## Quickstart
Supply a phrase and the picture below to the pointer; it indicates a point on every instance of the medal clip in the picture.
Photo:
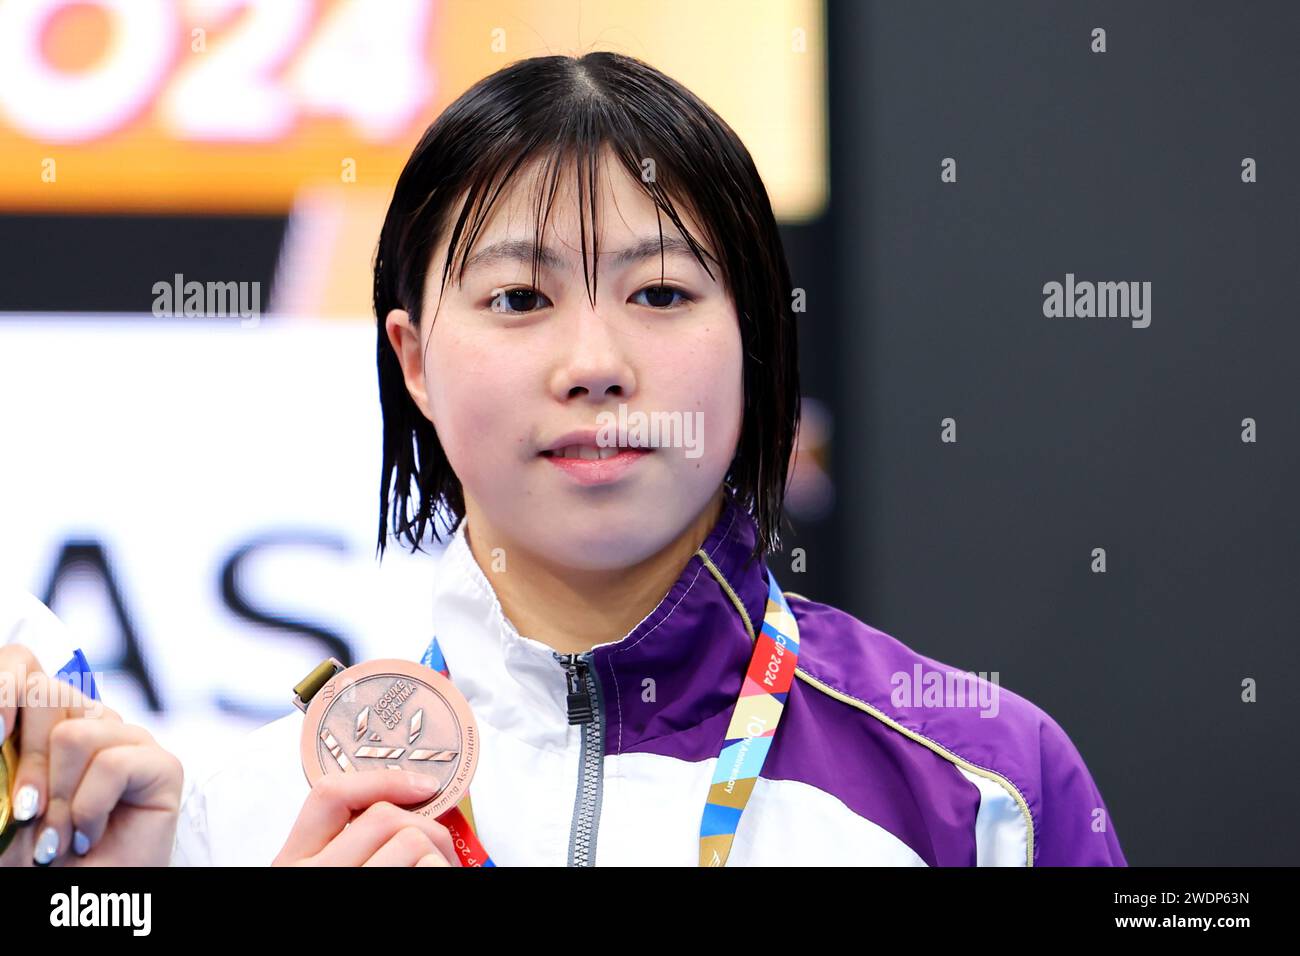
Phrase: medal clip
(310, 685)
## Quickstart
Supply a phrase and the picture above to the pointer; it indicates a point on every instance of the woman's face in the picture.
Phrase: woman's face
(506, 370)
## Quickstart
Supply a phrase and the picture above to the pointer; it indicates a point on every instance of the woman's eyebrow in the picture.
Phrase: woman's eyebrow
(521, 250)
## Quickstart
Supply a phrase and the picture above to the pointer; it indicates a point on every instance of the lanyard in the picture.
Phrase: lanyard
(459, 820)
(753, 723)
(754, 718)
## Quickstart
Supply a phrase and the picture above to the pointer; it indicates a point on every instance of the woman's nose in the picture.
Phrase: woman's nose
(592, 363)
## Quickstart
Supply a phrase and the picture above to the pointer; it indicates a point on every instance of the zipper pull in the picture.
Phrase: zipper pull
(577, 700)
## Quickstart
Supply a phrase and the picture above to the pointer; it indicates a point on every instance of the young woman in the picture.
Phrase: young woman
(576, 239)
(571, 236)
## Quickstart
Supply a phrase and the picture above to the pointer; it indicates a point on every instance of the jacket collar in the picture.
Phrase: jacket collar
(680, 666)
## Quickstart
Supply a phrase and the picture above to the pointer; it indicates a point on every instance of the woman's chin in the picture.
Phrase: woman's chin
(600, 539)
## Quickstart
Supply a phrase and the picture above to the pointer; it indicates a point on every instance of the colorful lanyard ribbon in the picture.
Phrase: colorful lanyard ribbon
(754, 719)
(753, 723)
(459, 820)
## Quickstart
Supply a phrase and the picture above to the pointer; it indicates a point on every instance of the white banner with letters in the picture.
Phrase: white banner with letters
(199, 501)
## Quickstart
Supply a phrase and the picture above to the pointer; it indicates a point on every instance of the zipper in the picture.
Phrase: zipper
(583, 705)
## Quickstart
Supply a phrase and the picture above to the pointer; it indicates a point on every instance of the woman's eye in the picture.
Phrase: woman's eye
(525, 300)
(661, 296)
(516, 301)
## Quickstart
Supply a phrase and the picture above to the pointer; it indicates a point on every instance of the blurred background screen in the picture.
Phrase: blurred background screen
(191, 482)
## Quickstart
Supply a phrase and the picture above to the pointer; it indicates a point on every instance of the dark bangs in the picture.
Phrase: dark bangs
(564, 112)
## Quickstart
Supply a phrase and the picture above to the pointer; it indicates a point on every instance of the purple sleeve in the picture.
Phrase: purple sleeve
(1074, 826)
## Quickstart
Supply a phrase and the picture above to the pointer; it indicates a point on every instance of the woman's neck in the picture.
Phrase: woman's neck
(573, 610)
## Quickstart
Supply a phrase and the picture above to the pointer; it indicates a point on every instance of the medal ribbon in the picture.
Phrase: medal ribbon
(754, 718)
(459, 820)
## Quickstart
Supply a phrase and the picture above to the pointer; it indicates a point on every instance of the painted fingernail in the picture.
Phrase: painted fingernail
(80, 843)
(47, 846)
(3, 729)
(25, 802)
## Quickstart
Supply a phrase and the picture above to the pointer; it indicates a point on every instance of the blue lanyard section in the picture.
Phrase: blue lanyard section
(77, 672)
(433, 657)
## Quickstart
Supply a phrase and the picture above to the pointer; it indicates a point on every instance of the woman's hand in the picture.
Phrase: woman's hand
(330, 831)
(89, 790)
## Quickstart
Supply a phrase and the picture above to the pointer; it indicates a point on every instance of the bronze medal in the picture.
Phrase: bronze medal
(392, 714)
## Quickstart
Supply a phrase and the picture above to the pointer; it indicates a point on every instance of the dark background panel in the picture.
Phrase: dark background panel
(1079, 433)
(97, 263)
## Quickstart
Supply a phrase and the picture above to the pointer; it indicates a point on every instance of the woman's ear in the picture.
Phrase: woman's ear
(405, 340)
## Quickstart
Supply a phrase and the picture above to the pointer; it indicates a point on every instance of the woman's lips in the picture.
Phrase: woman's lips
(599, 471)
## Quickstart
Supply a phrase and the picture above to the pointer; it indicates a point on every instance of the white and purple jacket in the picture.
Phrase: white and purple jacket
(850, 778)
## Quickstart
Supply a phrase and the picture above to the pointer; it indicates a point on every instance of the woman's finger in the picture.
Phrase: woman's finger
(142, 775)
(404, 848)
(16, 662)
(363, 837)
(73, 744)
(42, 703)
(334, 801)
(40, 712)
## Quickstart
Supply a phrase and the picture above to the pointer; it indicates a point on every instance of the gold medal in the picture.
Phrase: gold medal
(8, 766)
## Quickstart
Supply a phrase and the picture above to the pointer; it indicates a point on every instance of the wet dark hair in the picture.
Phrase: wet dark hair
(565, 110)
